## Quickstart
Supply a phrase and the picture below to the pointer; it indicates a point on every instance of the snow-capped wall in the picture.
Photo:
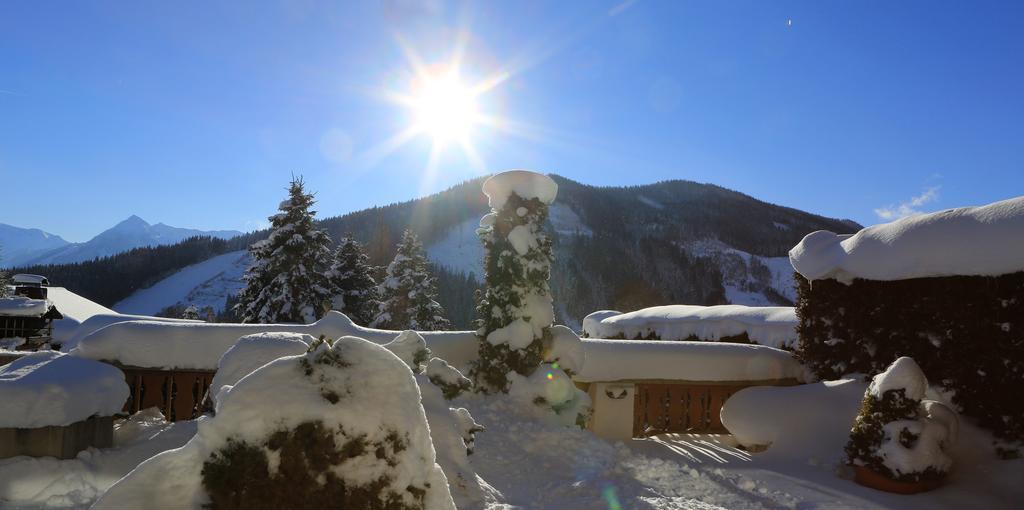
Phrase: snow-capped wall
(69, 333)
(773, 326)
(48, 388)
(199, 345)
(986, 240)
(632, 360)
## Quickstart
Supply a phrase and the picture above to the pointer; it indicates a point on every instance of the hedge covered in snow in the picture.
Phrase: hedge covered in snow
(774, 326)
(968, 331)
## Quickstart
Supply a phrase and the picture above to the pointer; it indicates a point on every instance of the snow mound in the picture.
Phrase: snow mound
(986, 240)
(591, 321)
(49, 388)
(524, 183)
(797, 422)
(773, 326)
(19, 306)
(200, 345)
(253, 351)
(905, 374)
(623, 360)
(356, 389)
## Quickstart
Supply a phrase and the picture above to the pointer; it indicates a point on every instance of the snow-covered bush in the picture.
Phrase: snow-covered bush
(411, 348)
(453, 431)
(515, 312)
(408, 293)
(894, 434)
(355, 292)
(253, 351)
(287, 281)
(340, 427)
(446, 377)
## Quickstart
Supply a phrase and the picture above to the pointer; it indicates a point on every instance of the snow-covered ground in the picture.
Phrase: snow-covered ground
(530, 463)
(207, 283)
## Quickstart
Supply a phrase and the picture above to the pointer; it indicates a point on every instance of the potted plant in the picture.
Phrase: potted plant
(899, 440)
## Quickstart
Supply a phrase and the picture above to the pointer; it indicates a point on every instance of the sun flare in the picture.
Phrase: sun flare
(444, 108)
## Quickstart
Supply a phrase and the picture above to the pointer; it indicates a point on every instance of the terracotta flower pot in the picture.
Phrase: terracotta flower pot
(868, 478)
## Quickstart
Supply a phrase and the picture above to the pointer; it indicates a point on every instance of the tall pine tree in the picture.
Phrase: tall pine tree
(288, 279)
(352, 280)
(408, 293)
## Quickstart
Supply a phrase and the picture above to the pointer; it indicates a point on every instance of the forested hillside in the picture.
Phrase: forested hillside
(616, 247)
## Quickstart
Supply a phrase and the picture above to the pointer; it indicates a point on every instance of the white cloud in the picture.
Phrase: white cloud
(910, 207)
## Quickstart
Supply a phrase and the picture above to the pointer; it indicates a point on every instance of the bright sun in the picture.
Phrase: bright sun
(444, 108)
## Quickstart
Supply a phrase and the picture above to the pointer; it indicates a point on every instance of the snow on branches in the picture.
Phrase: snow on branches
(408, 293)
(287, 281)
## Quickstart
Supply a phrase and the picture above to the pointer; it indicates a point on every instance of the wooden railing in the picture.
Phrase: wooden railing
(179, 394)
(667, 407)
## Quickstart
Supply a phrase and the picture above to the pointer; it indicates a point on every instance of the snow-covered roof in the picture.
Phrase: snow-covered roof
(986, 240)
(524, 183)
(767, 325)
(19, 306)
(30, 279)
(199, 345)
(635, 360)
(49, 388)
(73, 306)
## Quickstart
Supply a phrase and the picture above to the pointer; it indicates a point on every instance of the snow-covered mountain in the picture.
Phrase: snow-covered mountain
(19, 245)
(131, 233)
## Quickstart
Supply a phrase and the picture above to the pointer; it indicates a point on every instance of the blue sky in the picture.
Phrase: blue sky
(197, 115)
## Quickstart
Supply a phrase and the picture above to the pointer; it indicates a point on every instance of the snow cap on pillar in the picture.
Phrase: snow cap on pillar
(524, 183)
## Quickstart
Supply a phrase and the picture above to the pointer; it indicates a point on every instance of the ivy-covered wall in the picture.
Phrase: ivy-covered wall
(966, 333)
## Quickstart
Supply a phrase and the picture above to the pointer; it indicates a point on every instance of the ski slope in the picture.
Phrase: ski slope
(207, 283)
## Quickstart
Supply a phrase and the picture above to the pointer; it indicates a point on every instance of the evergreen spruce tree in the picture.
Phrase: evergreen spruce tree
(515, 310)
(408, 293)
(190, 312)
(353, 284)
(5, 280)
(288, 279)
